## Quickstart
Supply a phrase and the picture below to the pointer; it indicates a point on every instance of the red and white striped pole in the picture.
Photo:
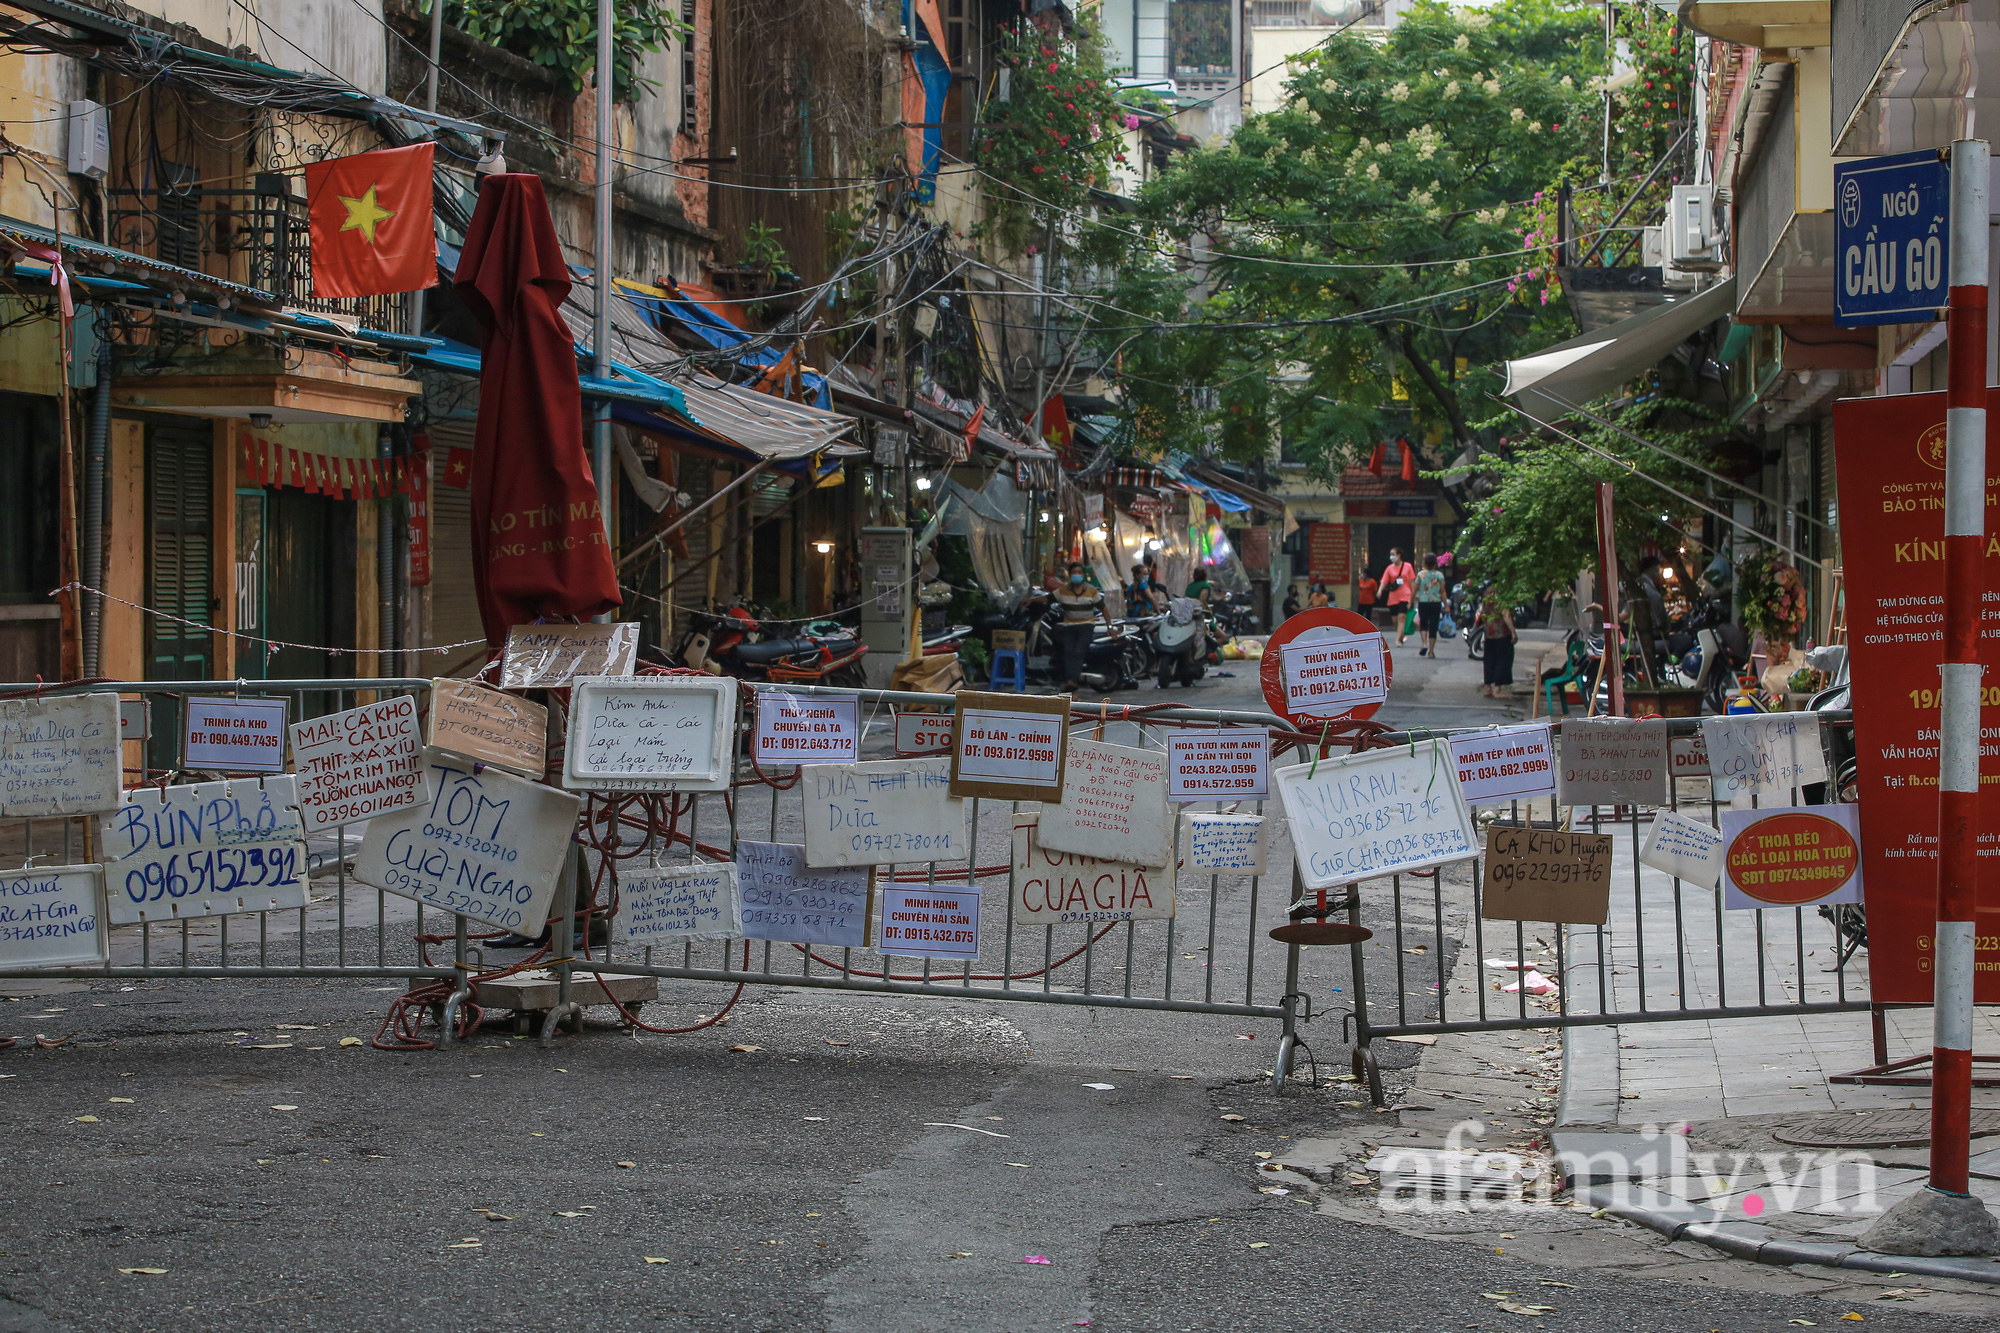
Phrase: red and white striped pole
(1958, 725)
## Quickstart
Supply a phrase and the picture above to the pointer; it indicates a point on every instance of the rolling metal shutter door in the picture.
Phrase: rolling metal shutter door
(454, 604)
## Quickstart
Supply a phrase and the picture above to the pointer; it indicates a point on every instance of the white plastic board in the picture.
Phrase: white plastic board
(930, 921)
(1054, 888)
(1239, 844)
(806, 729)
(1763, 754)
(53, 916)
(1613, 761)
(651, 733)
(882, 811)
(487, 845)
(1505, 764)
(358, 764)
(60, 756)
(135, 719)
(1227, 764)
(676, 904)
(786, 899)
(1379, 812)
(1684, 848)
(1114, 806)
(924, 733)
(205, 849)
(234, 735)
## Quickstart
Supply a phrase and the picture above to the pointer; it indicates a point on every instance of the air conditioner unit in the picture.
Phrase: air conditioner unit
(89, 140)
(1653, 254)
(1693, 242)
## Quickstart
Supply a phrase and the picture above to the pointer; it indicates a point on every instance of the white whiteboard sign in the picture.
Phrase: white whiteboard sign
(806, 729)
(357, 764)
(1613, 761)
(1329, 671)
(205, 849)
(1238, 843)
(1685, 848)
(924, 733)
(883, 811)
(677, 904)
(60, 756)
(930, 921)
(1228, 764)
(234, 735)
(650, 733)
(1379, 812)
(1054, 888)
(1763, 754)
(1505, 764)
(486, 845)
(53, 916)
(786, 899)
(1114, 806)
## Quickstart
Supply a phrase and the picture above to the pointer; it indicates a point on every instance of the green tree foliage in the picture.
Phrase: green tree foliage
(561, 35)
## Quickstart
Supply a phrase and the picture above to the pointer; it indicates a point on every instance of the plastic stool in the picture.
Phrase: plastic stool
(1010, 670)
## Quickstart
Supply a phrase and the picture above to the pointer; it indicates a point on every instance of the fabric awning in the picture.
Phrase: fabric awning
(1588, 367)
(1236, 486)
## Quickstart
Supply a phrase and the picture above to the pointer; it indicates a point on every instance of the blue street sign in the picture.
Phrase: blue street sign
(1891, 238)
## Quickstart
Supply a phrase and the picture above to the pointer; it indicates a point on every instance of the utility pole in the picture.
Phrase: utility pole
(600, 344)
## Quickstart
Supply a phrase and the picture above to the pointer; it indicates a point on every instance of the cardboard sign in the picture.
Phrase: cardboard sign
(1613, 761)
(655, 733)
(1537, 874)
(1054, 888)
(806, 729)
(1687, 756)
(1329, 672)
(930, 921)
(1684, 848)
(1228, 764)
(357, 764)
(234, 735)
(61, 756)
(1114, 806)
(205, 849)
(1378, 812)
(552, 656)
(1009, 746)
(1763, 754)
(1792, 856)
(1505, 764)
(786, 899)
(489, 725)
(53, 916)
(487, 846)
(924, 733)
(881, 812)
(678, 905)
(1237, 843)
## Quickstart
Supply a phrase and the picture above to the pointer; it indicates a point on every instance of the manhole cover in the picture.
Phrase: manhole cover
(1874, 1129)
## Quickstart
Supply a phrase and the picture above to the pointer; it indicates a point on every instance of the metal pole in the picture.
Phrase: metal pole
(416, 303)
(1607, 556)
(600, 346)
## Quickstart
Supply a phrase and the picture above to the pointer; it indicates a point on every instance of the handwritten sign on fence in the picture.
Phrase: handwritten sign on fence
(1377, 812)
(357, 764)
(53, 916)
(60, 756)
(678, 904)
(1227, 764)
(1763, 754)
(786, 899)
(1505, 764)
(491, 726)
(487, 845)
(1053, 888)
(1541, 875)
(234, 735)
(1613, 761)
(655, 733)
(1114, 806)
(930, 921)
(1684, 848)
(1236, 843)
(806, 729)
(882, 811)
(552, 656)
(205, 849)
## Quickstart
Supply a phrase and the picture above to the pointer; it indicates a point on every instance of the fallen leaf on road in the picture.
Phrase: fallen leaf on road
(815, 1214)
(746, 1049)
(126, 1100)
(1260, 1244)
(86, 1120)
(1804, 1323)
(628, 1165)
(651, 1260)
(1549, 1281)
(1101, 1087)
(1904, 1294)
(350, 1041)
(1854, 1317)
(1599, 1212)
(282, 1107)
(1184, 1076)
(492, 1216)
(296, 1027)
(831, 1042)
(1035, 1259)
(572, 1214)
(1233, 1118)
(1017, 1164)
(467, 1245)
(1264, 1155)
(1268, 1166)
(816, 1119)
(268, 1046)
(962, 1254)
(150, 1272)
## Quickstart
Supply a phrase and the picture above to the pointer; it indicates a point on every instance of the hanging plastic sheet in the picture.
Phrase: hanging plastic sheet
(991, 520)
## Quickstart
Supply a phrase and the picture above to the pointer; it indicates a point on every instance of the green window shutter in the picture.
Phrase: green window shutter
(179, 466)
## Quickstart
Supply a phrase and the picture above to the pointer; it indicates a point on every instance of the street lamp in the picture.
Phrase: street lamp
(824, 548)
(923, 483)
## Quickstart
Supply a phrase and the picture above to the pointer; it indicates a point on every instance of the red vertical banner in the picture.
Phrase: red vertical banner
(420, 519)
(1327, 554)
(1889, 458)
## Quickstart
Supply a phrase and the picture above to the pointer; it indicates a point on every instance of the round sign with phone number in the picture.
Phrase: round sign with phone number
(1326, 665)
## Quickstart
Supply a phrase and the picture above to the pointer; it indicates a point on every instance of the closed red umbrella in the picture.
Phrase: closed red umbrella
(538, 537)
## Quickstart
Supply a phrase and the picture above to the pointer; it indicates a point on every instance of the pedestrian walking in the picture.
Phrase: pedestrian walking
(1496, 622)
(1082, 606)
(1430, 606)
(1364, 594)
(1398, 590)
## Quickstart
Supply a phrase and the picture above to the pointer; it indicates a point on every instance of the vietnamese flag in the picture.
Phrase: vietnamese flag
(372, 228)
(457, 468)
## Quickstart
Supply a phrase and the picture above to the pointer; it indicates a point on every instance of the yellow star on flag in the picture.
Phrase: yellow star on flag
(364, 214)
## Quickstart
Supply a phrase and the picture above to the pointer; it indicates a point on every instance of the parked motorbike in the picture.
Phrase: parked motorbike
(1181, 643)
(735, 642)
(1114, 661)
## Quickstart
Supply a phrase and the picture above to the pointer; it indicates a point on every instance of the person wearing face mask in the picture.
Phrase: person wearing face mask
(1081, 605)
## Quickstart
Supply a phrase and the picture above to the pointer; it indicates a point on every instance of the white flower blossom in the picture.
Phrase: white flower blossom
(1329, 86)
(1400, 92)
(1451, 90)
(1384, 147)
(1315, 117)
(1534, 127)
(1462, 268)
(1492, 87)
(1477, 20)
(1518, 114)
(1374, 171)
(1490, 216)
(1567, 81)
(1463, 43)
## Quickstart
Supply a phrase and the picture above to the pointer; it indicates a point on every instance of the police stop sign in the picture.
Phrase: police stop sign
(1891, 236)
